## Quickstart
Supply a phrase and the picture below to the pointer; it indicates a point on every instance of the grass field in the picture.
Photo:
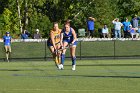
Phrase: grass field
(91, 76)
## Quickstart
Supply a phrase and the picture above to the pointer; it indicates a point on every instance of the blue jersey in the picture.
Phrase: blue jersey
(67, 37)
(90, 25)
(126, 26)
(7, 40)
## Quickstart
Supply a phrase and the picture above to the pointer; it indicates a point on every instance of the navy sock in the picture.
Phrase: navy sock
(62, 58)
(73, 60)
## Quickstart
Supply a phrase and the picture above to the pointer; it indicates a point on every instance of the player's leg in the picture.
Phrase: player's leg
(132, 35)
(91, 33)
(88, 34)
(9, 50)
(73, 56)
(119, 33)
(116, 34)
(58, 57)
(65, 44)
(51, 48)
(137, 35)
(6, 53)
(54, 54)
(103, 35)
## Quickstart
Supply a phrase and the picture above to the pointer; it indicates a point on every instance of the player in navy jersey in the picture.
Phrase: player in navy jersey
(68, 38)
(7, 44)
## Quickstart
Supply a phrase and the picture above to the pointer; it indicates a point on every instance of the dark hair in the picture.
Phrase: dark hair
(68, 20)
(7, 32)
(105, 25)
(55, 23)
(67, 23)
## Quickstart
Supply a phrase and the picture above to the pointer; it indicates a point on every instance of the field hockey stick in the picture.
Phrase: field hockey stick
(63, 48)
(57, 57)
(68, 46)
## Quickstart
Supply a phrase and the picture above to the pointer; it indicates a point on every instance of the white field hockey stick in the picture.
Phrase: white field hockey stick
(68, 46)
(63, 48)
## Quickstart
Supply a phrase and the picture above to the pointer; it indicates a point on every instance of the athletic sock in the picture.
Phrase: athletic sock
(56, 60)
(73, 60)
(62, 58)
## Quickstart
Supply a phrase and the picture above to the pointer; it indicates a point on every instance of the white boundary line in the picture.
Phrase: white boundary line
(70, 90)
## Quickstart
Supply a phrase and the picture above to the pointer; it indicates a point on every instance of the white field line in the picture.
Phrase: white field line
(37, 89)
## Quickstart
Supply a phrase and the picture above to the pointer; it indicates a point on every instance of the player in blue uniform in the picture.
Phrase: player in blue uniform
(68, 38)
(7, 44)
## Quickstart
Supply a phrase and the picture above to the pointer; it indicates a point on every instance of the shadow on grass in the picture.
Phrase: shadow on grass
(74, 76)
(36, 69)
(110, 65)
(101, 76)
(21, 70)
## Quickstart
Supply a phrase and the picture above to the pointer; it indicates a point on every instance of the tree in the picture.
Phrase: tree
(32, 14)
(129, 7)
(19, 16)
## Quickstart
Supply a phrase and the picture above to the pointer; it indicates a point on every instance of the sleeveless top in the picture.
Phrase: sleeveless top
(56, 36)
(67, 37)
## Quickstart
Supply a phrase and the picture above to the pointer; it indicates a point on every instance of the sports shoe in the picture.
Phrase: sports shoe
(60, 67)
(73, 67)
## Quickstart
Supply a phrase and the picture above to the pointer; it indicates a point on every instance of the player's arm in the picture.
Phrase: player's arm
(121, 24)
(61, 39)
(92, 18)
(74, 36)
(135, 30)
(3, 39)
(11, 40)
(114, 21)
(52, 39)
(138, 17)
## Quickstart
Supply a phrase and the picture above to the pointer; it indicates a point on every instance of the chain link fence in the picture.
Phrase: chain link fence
(32, 49)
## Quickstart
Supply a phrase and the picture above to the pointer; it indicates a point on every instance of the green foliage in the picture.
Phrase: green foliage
(41, 13)
(40, 22)
(129, 8)
(6, 18)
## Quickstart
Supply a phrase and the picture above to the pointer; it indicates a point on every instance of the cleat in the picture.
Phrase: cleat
(73, 67)
(8, 61)
(60, 67)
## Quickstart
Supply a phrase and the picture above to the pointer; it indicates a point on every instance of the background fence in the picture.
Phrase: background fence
(86, 48)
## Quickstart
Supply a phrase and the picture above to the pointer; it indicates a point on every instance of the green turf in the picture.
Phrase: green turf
(93, 76)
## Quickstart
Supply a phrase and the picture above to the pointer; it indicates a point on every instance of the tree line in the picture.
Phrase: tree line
(17, 15)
